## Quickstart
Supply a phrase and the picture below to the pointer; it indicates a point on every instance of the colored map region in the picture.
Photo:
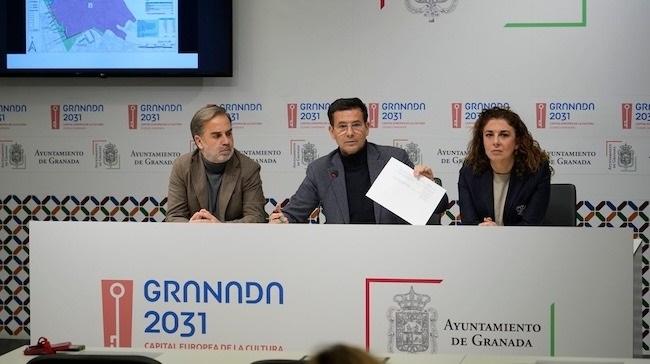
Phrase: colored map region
(78, 16)
(101, 26)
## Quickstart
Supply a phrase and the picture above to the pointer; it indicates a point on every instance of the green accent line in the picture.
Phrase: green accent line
(552, 331)
(582, 23)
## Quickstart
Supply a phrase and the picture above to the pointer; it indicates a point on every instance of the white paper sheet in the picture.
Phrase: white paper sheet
(412, 198)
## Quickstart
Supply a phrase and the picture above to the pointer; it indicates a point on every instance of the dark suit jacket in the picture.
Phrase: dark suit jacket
(324, 186)
(526, 199)
(241, 198)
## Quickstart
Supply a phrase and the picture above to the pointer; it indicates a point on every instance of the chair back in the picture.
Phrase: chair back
(435, 218)
(561, 205)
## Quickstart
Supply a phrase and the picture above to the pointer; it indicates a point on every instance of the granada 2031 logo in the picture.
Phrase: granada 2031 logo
(117, 309)
(465, 114)
(152, 116)
(307, 115)
(564, 115)
(117, 305)
(637, 114)
(75, 116)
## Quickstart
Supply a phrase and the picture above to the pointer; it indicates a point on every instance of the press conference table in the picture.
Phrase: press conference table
(325, 284)
(225, 357)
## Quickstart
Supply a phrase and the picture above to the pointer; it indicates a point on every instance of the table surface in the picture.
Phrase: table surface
(211, 357)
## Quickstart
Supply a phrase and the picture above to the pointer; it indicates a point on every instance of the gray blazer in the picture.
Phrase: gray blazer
(241, 198)
(324, 186)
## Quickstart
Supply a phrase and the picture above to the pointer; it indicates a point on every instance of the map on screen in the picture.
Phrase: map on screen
(102, 34)
(101, 26)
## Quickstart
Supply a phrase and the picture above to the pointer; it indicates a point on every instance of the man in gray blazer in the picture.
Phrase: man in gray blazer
(215, 183)
(338, 182)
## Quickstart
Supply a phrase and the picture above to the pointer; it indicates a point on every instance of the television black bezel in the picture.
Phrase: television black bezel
(206, 25)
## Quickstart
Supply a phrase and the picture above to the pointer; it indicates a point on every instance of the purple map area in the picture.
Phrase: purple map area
(78, 16)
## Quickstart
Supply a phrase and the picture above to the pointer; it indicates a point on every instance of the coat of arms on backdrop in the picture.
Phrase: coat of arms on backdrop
(431, 8)
(413, 324)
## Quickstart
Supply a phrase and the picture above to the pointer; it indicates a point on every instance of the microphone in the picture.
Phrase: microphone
(334, 173)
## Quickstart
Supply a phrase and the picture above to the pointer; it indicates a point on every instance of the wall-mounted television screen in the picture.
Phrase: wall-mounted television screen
(116, 38)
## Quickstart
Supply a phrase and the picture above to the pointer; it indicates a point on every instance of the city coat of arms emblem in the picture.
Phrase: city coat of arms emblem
(17, 155)
(412, 325)
(431, 8)
(111, 155)
(414, 153)
(309, 153)
(626, 157)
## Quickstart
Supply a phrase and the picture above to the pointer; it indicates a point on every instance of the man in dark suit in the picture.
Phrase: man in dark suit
(338, 182)
(215, 183)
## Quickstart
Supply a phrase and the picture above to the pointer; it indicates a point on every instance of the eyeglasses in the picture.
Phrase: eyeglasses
(357, 127)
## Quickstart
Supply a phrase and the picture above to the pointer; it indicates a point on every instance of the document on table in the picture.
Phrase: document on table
(412, 198)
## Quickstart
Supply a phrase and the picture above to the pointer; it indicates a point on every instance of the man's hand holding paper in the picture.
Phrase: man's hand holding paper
(413, 198)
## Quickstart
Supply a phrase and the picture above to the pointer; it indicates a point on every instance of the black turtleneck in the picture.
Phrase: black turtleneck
(357, 183)
(214, 172)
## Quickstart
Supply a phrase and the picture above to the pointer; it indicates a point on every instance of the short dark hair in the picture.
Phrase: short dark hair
(205, 114)
(347, 104)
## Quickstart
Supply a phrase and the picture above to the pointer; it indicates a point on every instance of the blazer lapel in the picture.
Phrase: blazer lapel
(228, 182)
(199, 181)
(375, 165)
(338, 186)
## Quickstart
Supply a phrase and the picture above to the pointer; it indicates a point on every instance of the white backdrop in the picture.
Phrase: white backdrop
(310, 52)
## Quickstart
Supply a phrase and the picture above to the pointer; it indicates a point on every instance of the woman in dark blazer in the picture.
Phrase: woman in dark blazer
(506, 176)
